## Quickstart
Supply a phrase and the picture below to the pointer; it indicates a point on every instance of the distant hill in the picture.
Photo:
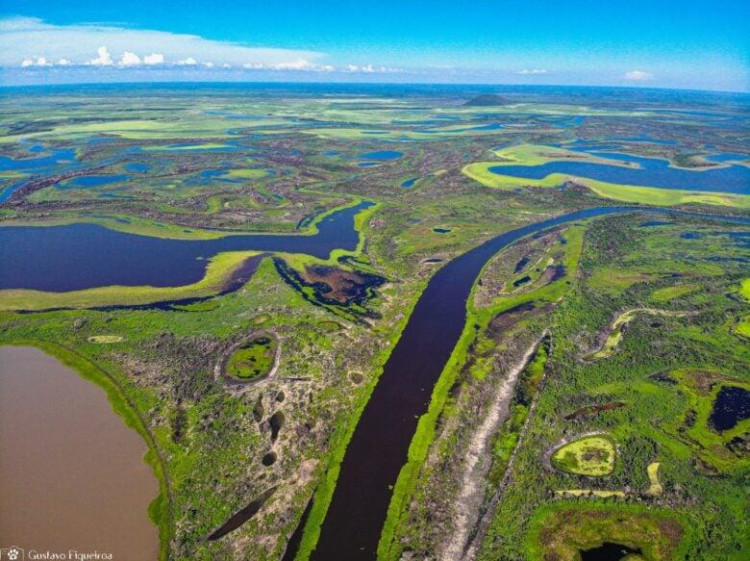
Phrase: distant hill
(484, 100)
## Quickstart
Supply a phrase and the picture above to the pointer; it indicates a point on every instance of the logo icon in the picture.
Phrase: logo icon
(13, 553)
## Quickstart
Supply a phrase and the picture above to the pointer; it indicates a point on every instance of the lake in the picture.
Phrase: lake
(80, 256)
(652, 173)
(72, 474)
(382, 155)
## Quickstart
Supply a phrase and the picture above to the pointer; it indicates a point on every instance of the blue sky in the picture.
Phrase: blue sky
(687, 44)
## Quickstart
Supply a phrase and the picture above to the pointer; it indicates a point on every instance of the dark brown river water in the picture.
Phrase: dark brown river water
(72, 474)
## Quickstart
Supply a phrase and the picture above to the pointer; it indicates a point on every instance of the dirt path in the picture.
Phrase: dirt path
(471, 550)
(478, 462)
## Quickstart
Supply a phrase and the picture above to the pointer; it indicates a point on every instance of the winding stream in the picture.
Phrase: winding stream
(379, 445)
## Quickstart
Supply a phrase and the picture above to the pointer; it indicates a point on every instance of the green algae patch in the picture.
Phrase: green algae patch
(593, 456)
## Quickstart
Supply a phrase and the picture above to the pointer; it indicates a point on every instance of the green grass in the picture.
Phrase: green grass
(743, 327)
(671, 292)
(247, 173)
(593, 456)
(745, 289)
(562, 530)
(254, 359)
(187, 147)
(106, 339)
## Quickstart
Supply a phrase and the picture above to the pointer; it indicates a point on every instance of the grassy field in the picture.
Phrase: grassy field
(253, 360)
(565, 530)
(593, 456)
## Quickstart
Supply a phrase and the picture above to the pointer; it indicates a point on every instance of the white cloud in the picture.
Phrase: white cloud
(40, 61)
(638, 75)
(64, 62)
(129, 59)
(370, 69)
(104, 58)
(189, 61)
(21, 38)
(299, 64)
(208, 64)
(533, 71)
(155, 58)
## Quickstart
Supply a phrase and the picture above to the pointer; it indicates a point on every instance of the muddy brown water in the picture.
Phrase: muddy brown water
(72, 474)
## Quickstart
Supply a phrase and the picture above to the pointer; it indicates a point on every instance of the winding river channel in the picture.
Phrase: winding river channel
(378, 448)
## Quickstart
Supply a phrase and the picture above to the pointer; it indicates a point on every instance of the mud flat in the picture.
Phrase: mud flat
(72, 474)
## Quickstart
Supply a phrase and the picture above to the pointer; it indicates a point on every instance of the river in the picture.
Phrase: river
(379, 445)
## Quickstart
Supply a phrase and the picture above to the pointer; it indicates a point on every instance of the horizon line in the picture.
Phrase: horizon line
(368, 83)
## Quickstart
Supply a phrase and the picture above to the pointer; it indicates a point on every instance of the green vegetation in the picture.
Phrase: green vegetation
(105, 339)
(665, 315)
(671, 292)
(592, 455)
(254, 359)
(563, 531)
(622, 320)
(655, 487)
